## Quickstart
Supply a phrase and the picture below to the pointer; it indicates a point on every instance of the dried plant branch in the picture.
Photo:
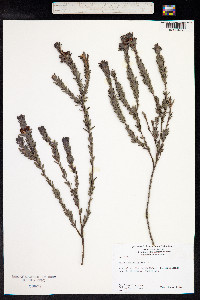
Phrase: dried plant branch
(140, 140)
(159, 131)
(64, 88)
(81, 102)
(145, 117)
(27, 145)
(66, 58)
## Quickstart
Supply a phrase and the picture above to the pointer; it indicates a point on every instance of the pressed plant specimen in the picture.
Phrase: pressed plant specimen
(159, 126)
(27, 145)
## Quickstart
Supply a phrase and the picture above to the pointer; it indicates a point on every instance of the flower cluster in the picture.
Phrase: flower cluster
(127, 41)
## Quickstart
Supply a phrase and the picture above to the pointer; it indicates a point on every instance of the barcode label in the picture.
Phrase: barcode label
(177, 26)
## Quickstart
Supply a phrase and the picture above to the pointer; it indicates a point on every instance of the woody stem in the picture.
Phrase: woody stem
(147, 206)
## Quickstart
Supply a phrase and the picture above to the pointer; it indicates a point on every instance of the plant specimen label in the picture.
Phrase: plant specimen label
(35, 282)
(146, 269)
(102, 8)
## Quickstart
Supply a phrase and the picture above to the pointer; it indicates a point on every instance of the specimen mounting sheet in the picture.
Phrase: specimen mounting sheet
(42, 253)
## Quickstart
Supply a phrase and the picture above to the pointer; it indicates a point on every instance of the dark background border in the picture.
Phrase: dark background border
(42, 10)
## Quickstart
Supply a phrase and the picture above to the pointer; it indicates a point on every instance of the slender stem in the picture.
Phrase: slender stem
(169, 116)
(88, 128)
(161, 125)
(80, 216)
(148, 149)
(145, 117)
(147, 207)
(83, 244)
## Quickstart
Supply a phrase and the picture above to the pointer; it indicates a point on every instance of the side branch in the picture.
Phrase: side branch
(131, 77)
(116, 107)
(64, 88)
(27, 147)
(57, 195)
(85, 59)
(65, 57)
(121, 95)
(70, 160)
(145, 117)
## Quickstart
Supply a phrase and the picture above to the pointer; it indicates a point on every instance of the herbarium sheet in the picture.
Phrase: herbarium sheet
(88, 119)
